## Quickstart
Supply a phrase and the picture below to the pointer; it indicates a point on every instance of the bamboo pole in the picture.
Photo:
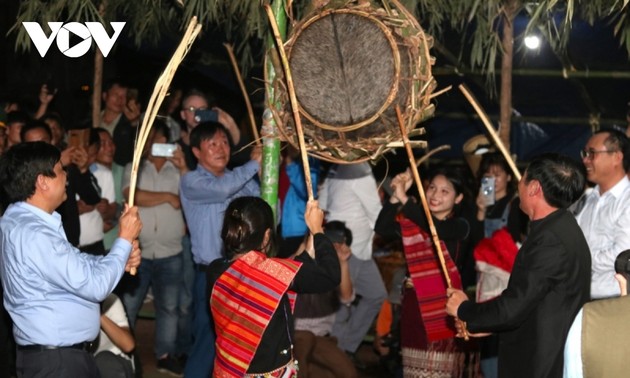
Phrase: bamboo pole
(293, 100)
(159, 92)
(248, 103)
(495, 137)
(270, 165)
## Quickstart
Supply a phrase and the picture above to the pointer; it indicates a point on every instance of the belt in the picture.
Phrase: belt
(86, 346)
(202, 268)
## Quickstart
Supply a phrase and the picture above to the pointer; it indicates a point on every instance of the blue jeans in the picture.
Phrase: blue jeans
(164, 276)
(184, 332)
(200, 362)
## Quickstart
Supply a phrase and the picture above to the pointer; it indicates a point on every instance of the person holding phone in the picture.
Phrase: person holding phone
(157, 197)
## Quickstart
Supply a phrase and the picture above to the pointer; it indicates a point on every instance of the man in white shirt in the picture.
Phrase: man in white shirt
(605, 217)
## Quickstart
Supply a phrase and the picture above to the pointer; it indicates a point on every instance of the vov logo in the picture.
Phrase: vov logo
(61, 33)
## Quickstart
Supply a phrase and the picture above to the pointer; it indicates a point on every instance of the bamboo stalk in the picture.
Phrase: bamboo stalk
(495, 137)
(293, 100)
(248, 103)
(159, 92)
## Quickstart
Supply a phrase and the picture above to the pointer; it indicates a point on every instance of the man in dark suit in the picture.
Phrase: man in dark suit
(550, 280)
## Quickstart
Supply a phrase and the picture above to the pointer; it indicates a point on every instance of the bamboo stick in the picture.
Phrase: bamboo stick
(159, 92)
(495, 137)
(248, 103)
(293, 100)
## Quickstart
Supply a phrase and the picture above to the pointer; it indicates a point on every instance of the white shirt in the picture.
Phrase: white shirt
(354, 201)
(162, 225)
(605, 221)
(92, 222)
(573, 349)
(115, 311)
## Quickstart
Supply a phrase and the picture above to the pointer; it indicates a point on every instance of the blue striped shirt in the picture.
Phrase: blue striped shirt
(51, 290)
(205, 197)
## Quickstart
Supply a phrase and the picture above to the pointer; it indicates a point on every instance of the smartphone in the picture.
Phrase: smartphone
(79, 138)
(132, 94)
(487, 190)
(163, 149)
(206, 115)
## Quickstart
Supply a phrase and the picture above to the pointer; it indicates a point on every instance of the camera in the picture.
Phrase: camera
(206, 115)
(163, 149)
(487, 190)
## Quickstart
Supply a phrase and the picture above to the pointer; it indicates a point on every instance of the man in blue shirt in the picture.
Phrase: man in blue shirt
(51, 290)
(205, 193)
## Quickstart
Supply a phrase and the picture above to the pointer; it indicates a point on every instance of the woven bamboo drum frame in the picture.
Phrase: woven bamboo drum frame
(351, 67)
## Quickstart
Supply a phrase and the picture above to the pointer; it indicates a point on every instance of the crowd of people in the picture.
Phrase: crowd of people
(238, 294)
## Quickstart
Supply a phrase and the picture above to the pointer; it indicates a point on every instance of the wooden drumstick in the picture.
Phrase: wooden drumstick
(423, 199)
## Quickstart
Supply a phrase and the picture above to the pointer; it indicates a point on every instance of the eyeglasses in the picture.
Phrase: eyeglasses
(193, 110)
(590, 154)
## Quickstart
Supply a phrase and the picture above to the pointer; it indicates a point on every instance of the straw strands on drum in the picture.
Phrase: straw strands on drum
(159, 92)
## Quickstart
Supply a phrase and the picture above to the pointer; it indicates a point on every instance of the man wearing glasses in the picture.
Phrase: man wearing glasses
(605, 217)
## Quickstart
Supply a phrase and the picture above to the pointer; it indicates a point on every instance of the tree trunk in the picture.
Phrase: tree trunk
(505, 103)
(271, 143)
(97, 88)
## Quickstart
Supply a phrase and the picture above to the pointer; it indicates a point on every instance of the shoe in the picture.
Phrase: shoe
(170, 366)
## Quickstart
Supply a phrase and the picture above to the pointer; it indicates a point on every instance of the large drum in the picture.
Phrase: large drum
(351, 67)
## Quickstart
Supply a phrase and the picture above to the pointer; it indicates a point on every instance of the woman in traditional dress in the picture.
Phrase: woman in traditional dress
(252, 293)
(429, 348)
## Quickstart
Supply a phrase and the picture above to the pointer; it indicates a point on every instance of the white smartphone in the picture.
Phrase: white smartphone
(163, 149)
(487, 190)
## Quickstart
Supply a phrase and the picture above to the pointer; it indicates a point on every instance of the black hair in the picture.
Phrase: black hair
(341, 227)
(114, 81)
(622, 263)
(453, 175)
(17, 116)
(622, 266)
(53, 117)
(160, 127)
(561, 178)
(205, 131)
(617, 141)
(21, 164)
(245, 223)
(34, 125)
(94, 138)
(490, 159)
